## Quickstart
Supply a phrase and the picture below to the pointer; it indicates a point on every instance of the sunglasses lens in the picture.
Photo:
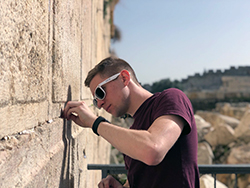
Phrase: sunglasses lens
(99, 93)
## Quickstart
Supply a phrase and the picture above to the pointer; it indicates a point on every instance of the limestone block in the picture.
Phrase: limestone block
(31, 158)
(51, 156)
(222, 134)
(242, 132)
(46, 49)
(202, 127)
(100, 32)
(66, 50)
(5, 82)
(86, 46)
(207, 181)
(235, 84)
(96, 35)
(20, 117)
(244, 181)
(239, 155)
(215, 118)
(233, 110)
(205, 153)
(23, 42)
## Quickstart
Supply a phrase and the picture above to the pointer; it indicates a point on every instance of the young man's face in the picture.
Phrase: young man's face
(116, 101)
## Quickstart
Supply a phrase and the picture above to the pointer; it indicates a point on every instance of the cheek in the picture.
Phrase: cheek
(122, 98)
(125, 92)
(115, 98)
(118, 95)
(114, 92)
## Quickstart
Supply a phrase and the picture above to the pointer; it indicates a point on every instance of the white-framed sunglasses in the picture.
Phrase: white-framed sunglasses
(100, 92)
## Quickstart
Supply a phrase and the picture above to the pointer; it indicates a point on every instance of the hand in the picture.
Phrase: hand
(109, 182)
(80, 113)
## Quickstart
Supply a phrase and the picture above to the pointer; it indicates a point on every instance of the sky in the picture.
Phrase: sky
(177, 38)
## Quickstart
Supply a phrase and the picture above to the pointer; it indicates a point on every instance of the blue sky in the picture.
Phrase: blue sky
(176, 38)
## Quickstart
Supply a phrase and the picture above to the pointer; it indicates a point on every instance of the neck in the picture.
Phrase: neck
(138, 96)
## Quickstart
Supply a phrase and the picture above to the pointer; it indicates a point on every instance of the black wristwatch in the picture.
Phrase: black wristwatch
(96, 124)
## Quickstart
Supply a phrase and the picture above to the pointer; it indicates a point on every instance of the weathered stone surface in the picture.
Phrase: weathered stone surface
(50, 156)
(203, 127)
(220, 135)
(5, 81)
(46, 49)
(207, 181)
(66, 50)
(23, 49)
(205, 153)
(87, 27)
(215, 118)
(244, 181)
(230, 146)
(242, 132)
(20, 117)
(235, 110)
(239, 155)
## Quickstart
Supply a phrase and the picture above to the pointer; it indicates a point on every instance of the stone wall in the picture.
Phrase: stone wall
(46, 50)
(212, 80)
(230, 85)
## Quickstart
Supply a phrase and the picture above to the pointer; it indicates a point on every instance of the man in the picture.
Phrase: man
(160, 148)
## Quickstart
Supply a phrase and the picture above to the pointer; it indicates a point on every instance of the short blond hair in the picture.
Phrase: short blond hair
(108, 67)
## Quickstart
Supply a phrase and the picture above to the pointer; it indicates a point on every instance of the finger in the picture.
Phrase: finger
(72, 112)
(63, 116)
(107, 183)
(76, 119)
(69, 105)
(104, 183)
(101, 185)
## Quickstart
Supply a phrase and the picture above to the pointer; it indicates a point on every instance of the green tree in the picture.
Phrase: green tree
(162, 85)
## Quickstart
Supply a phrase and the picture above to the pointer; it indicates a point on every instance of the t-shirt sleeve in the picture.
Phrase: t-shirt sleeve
(174, 102)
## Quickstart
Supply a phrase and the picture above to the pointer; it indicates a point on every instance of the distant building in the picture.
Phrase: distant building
(231, 85)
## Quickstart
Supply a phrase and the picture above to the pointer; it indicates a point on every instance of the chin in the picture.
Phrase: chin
(115, 115)
(120, 115)
(119, 112)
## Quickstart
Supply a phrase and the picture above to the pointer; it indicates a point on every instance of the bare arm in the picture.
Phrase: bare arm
(149, 146)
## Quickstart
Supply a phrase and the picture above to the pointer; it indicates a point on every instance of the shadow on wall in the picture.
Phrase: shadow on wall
(65, 179)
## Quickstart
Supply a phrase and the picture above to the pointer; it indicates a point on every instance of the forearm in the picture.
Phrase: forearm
(135, 143)
(149, 146)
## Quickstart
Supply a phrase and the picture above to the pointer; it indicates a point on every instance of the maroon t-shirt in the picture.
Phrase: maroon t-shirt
(179, 167)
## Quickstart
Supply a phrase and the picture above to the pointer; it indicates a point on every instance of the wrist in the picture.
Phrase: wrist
(96, 124)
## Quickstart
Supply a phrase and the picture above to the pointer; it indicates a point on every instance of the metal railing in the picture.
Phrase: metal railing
(203, 169)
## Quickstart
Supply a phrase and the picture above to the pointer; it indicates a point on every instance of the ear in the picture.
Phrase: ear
(125, 77)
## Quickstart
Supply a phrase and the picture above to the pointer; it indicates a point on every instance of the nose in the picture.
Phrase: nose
(99, 103)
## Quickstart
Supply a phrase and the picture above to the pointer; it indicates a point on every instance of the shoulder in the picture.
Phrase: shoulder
(171, 96)
(172, 92)
(174, 102)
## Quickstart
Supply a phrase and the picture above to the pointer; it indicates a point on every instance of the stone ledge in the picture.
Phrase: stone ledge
(50, 155)
(21, 117)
